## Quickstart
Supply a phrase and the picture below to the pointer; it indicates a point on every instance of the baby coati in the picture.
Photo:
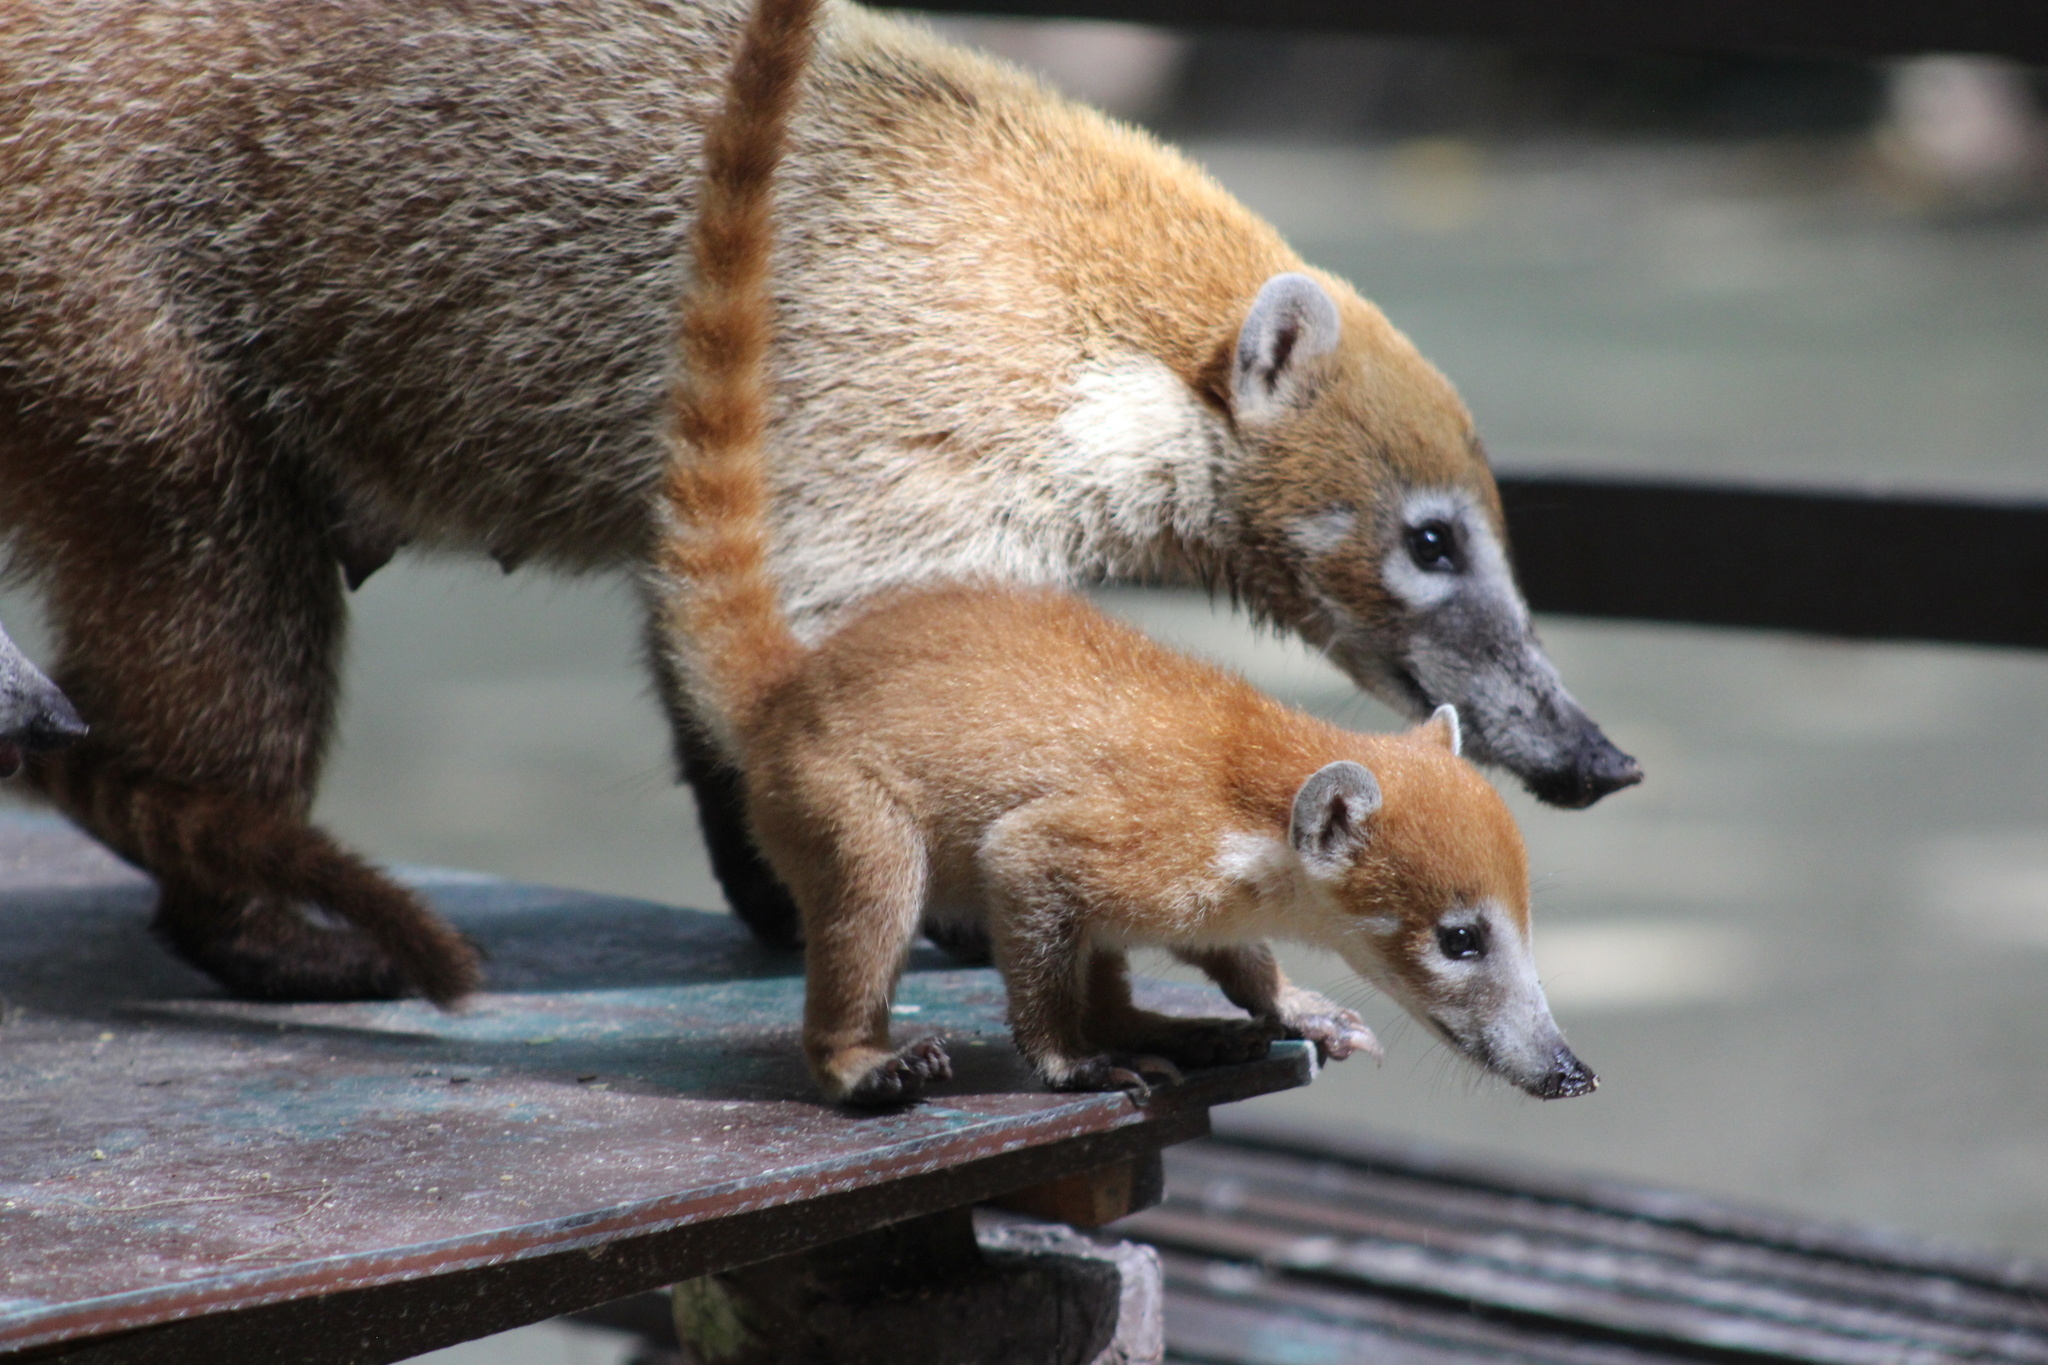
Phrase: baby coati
(284, 287)
(1012, 755)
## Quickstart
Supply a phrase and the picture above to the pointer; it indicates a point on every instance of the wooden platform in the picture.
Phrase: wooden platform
(184, 1177)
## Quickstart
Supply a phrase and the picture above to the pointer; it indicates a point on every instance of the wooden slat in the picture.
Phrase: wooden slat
(1230, 1314)
(1405, 1257)
(1864, 566)
(1869, 28)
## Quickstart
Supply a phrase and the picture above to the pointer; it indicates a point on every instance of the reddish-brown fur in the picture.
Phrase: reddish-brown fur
(1013, 754)
(284, 286)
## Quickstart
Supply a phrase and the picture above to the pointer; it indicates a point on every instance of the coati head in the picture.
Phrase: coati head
(34, 715)
(1416, 875)
(1368, 491)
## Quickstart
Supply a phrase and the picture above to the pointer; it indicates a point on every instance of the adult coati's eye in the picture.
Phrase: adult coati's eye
(1461, 941)
(1434, 546)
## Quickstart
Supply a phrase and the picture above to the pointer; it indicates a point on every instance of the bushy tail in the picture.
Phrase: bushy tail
(249, 860)
(724, 638)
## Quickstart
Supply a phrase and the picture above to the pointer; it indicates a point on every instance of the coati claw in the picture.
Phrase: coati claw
(1120, 1071)
(927, 1057)
(902, 1078)
(1337, 1035)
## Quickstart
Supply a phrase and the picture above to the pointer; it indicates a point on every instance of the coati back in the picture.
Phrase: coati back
(1013, 754)
(284, 287)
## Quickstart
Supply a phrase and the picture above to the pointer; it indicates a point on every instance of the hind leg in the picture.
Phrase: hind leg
(199, 616)
(857, 864)
(751, 887)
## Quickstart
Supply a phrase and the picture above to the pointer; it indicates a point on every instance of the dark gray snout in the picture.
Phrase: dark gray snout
(1567, 1076)
(1594, 770)
(34, 715)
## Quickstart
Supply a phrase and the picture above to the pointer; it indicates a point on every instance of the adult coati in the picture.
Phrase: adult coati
(285, 286)
(1011, 755)
(34, 716)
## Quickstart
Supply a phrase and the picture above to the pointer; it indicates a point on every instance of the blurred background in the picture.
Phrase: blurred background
(1809, 956)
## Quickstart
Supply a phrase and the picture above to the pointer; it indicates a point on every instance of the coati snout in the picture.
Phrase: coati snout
(34, 715)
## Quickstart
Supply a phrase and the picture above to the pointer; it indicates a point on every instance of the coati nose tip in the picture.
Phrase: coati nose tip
(53, 723)
(1567, 1077)
(1597, 769)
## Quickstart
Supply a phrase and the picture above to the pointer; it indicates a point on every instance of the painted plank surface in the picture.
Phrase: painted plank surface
(631, 1072)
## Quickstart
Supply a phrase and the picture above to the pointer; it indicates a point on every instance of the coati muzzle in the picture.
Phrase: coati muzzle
(34, 715)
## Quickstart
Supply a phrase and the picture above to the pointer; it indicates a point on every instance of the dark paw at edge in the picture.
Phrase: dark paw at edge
(902, 1078)
(1132, 1074)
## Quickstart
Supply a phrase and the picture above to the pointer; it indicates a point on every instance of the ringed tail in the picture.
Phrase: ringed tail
(723, 633)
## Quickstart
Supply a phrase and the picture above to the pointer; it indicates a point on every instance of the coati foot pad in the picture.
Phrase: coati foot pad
(902, 1078)
(1337, 1034)
(1133, 1073)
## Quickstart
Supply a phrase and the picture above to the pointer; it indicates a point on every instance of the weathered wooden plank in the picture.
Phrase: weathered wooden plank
(1871, 28)
(1387, 1203)
(1233, 1314)
(1385, 1252)
(625, 1105)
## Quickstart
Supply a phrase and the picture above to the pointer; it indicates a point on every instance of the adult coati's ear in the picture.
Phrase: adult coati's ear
(1442, 729)
(1330, 813)
(1292, 321)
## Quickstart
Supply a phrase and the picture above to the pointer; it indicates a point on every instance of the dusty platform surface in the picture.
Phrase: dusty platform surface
(625, 1102)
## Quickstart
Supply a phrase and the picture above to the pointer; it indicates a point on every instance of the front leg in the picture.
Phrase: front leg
(1250, 976)
(1039, 912)
(1114, 1020)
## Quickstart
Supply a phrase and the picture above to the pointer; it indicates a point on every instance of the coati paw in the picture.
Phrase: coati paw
(1132, 1073)
(1336, 1033)
(902, 1078)
(1218, 1042)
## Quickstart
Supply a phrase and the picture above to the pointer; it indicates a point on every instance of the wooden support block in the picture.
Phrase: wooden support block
(935, 1290)
(1092, 1198)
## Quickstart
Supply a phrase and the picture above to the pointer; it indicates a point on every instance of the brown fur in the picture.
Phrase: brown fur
(284, 287)
(1015, 754)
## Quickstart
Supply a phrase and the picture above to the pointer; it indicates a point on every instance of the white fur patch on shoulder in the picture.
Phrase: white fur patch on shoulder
(1263, 862)
(1142, 453)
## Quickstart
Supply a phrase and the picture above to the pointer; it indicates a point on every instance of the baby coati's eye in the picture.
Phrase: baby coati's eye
(1434, 546)
(1462, 941)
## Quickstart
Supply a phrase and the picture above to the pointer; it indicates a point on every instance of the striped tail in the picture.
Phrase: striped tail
(723, 636)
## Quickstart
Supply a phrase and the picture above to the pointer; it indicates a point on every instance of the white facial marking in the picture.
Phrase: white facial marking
(1321, 532)
(1492, 1005)
(1483, 572)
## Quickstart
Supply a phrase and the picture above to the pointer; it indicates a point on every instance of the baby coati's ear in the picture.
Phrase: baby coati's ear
(1330, 814)
(1442, 729)
(1292, 321)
